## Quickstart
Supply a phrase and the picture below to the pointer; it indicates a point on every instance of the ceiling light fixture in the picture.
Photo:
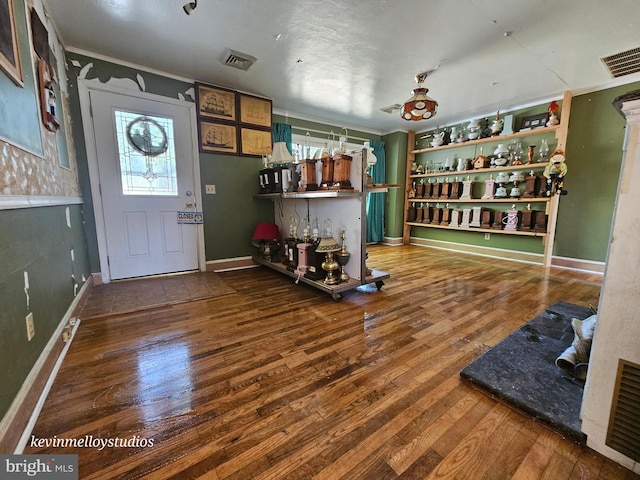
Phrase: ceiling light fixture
(419, 106)
(190, 7)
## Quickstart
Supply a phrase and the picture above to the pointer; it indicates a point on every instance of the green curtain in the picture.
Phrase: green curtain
(282, 133)
(376, 201)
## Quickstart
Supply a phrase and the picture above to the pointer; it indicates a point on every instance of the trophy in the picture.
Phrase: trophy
(342, 257)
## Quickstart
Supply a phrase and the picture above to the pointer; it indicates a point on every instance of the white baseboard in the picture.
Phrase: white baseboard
(577, 264)
(499, 253)
(393, 241)
(588, 266)
(29, 386)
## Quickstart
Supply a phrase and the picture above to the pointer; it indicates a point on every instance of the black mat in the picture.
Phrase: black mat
(521, 370)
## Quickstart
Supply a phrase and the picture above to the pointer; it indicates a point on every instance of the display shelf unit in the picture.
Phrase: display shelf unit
(347, 211)
(550, 203)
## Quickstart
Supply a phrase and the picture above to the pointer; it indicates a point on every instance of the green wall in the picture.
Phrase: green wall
(395, 146)
(229, 216)
(39, 242)
(594, 156)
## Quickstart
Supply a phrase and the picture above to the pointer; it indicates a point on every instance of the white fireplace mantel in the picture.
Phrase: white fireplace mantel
(617, 335)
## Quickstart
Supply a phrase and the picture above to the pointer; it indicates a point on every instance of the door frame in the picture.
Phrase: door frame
(84, 89)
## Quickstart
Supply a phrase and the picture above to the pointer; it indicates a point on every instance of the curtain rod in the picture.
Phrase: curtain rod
(337, 134)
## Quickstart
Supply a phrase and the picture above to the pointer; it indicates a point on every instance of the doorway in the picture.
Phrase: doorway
(143, 166)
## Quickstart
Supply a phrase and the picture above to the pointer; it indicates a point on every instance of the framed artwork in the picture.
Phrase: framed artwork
(255, 111)
(9, 53)
(214, 102)
(534, 121)
(254, 142)
(217, 137)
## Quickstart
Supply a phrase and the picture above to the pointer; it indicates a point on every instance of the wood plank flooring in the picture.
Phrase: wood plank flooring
(278, 381)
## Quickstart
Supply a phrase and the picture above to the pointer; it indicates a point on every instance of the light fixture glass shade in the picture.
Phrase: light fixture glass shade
(420, 106)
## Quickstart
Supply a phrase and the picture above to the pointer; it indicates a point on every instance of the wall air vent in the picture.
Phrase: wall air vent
(623, 434)
(623, 63)
(238, 60)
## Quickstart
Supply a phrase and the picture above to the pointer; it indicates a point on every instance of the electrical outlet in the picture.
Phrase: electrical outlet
(487, 236)
(210, 189)
(31, 331)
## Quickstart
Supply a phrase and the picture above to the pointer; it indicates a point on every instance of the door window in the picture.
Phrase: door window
(146, 151)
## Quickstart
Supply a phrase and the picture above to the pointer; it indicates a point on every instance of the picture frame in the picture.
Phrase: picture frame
(534, 121)
(9, 50)
(255, 111)
(255, 142)
(217, 137)
(216, 102)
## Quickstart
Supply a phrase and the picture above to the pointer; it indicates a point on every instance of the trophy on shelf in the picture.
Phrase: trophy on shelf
(511, 220)
(343, 257)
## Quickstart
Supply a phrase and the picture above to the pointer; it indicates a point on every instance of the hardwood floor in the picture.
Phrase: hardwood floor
(278, 381)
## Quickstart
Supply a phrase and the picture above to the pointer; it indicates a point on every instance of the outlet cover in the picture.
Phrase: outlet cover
(210, 189)
(31, 331)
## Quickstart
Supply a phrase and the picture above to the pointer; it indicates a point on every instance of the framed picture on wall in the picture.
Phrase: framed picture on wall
(254, 141)
(534, 121)
(217, 137)
(9, 53)
(255, 111)
(215, 102)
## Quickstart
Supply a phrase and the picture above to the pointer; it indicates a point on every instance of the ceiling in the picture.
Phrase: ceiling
(341, 61)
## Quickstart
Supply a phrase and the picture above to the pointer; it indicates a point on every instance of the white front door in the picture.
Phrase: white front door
(145, 162)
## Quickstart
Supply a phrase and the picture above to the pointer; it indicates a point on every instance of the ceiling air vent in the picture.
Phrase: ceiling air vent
(624, 425)
(392, 108)
(623, 63)
(238, 60)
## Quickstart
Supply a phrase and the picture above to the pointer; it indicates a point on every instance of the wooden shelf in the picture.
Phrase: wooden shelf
(463, 173)
(481, 200)
(478, 229)
(431, 154)
(497, 138)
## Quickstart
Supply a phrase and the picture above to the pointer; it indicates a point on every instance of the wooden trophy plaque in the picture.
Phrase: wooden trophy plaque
(435, 219)
(426, 216)
(456, 189)
(530, 186)
(527, 219)
(327, 173)
(445, 190)
(308, 176)
(411, 213)
(342, 172)
(435, 190)
(445, 217)
(486, 219)
(540, 222)
(497, 221)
